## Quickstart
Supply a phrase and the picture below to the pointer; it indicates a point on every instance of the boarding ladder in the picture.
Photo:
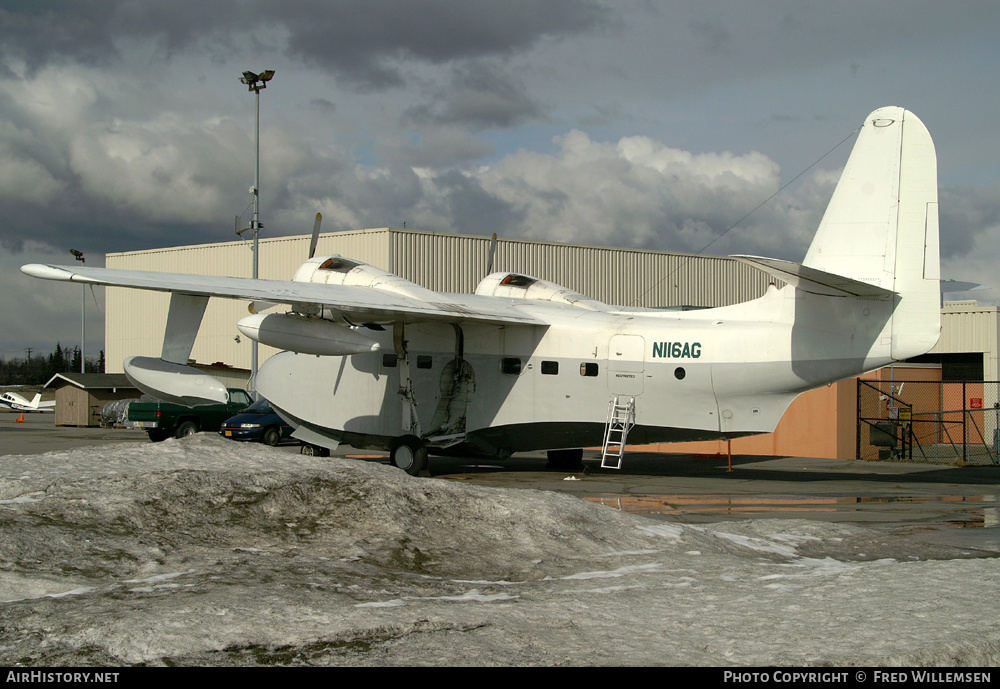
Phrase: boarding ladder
(621, 417)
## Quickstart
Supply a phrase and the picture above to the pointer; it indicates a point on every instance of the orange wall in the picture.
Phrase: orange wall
(819, 423)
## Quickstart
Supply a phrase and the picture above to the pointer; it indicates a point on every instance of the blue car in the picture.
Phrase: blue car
(258, 422)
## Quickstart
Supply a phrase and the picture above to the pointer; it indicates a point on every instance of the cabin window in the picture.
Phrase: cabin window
(510, 365)
(679, 373)
(389, 360)
(550, 368)
(588, 370)
(423, 361)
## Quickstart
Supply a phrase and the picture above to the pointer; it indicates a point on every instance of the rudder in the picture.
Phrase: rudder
(881, 226)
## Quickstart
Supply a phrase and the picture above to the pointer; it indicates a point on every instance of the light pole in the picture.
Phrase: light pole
(256, 82)
(83, 316)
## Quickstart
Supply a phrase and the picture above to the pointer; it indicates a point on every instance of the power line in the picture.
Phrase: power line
(754, 210)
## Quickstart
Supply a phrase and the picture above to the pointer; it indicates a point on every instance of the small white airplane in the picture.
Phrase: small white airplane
(15, 402)
(376, 361)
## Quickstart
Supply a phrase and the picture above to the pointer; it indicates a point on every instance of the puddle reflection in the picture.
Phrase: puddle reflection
(956, 510)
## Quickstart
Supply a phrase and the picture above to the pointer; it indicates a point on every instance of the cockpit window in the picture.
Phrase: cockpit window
(516, 280)
(338, 264)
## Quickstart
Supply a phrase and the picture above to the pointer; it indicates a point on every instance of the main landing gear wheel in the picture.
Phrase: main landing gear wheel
(314, 450)
(565, 460)
(409, 453)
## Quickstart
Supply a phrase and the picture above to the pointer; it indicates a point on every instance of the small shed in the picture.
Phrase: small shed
(80, 396)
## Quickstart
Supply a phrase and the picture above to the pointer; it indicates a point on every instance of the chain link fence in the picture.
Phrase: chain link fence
(947, 423)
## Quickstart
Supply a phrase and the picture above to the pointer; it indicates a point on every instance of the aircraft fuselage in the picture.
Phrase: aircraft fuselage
(693, 375)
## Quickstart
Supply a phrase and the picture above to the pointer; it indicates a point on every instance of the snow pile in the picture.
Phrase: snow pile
(206, 552)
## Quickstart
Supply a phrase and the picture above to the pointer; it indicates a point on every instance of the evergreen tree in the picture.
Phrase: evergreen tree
(57, 361)
(38, 369)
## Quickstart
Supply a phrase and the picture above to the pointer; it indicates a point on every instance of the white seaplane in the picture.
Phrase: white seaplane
(376, 361)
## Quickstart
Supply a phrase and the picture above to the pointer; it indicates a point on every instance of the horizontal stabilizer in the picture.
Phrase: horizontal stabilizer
(815, 281)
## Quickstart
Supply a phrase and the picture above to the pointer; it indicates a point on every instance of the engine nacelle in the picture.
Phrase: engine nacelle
(518, 286)
(337, 270)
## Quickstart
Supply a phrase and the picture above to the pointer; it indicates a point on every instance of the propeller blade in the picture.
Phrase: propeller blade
(492, 251)
(315, 237)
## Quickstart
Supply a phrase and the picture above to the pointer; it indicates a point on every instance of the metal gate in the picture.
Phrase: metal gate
(929, 421)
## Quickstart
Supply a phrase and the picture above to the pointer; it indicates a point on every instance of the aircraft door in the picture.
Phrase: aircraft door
(626, 364)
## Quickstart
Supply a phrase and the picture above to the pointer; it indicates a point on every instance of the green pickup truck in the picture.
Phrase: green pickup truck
(162, 420)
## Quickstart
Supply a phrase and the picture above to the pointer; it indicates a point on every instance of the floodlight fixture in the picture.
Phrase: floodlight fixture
(256, 82)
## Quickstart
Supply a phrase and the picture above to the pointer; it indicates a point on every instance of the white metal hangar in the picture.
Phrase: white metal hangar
(135, 319)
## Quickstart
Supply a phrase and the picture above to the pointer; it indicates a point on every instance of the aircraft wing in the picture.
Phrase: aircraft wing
(358, 304)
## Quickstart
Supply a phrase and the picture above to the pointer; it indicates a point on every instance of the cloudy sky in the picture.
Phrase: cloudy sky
(658, 125)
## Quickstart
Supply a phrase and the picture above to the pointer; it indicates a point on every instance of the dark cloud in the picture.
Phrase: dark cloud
(327, 107)
(473, 210)
(366, 41)
(965, 214)
(481, 95)
(84, 32)
(363, 42)
(713, 34)
(94, 155)
(41, 32)
(441, 147)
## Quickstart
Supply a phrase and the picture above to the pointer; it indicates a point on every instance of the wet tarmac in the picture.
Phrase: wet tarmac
(958, 506)
(952, 505)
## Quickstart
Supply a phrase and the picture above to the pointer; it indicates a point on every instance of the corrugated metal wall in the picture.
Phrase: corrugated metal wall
(135, 319)
(442, 262)
(625, 277)
(969, 327)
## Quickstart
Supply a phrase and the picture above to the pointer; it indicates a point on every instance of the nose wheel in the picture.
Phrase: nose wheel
(409, 453)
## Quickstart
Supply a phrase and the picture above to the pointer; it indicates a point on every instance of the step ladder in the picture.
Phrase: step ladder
(621, 417)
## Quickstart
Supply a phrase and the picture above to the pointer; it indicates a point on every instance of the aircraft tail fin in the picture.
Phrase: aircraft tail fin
(36, 400)
(881, 227)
